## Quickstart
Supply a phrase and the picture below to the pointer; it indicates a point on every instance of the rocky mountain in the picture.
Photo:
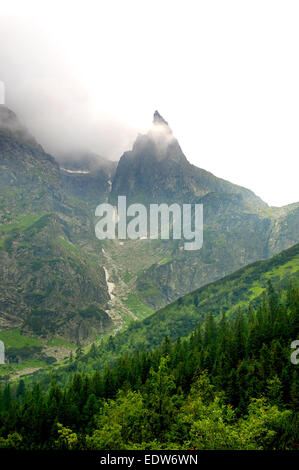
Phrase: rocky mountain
(58, 281)
(239, 227)
(51, 266)
(156, 170)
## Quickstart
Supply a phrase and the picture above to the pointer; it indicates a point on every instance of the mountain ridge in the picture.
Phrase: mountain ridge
(50, 256)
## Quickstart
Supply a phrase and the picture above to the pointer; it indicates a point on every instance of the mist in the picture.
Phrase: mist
(45, 92)
(87, 77)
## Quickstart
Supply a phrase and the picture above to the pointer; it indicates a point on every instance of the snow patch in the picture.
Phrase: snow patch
(81, 172)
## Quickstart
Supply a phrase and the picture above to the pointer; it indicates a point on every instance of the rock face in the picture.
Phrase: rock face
(52, 282)
(239, 227)
(87, 176)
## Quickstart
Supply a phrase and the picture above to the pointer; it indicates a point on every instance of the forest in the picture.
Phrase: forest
(229, 385)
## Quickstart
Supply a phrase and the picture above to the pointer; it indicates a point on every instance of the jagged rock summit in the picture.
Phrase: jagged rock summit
(161, 133)
(155, 159)
(158, 119)
(156, 169)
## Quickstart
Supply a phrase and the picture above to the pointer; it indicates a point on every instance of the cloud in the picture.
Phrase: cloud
(88, 75)
(45, 91)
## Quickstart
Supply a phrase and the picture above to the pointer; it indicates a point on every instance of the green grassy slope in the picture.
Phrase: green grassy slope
(226, 294)
(182, 316)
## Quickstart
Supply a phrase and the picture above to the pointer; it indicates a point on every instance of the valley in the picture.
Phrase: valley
(60, 284)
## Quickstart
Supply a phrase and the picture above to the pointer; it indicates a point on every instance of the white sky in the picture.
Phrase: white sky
(224, 74)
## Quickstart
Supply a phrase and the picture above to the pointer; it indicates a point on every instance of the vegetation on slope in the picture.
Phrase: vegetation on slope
(231, 385)
(179, 318)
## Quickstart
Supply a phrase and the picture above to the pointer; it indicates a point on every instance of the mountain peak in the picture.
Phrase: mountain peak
(157, 144)
(10, 126)
(158, 119)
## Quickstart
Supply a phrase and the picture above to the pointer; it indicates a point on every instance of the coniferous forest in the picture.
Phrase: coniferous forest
(229, 385)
